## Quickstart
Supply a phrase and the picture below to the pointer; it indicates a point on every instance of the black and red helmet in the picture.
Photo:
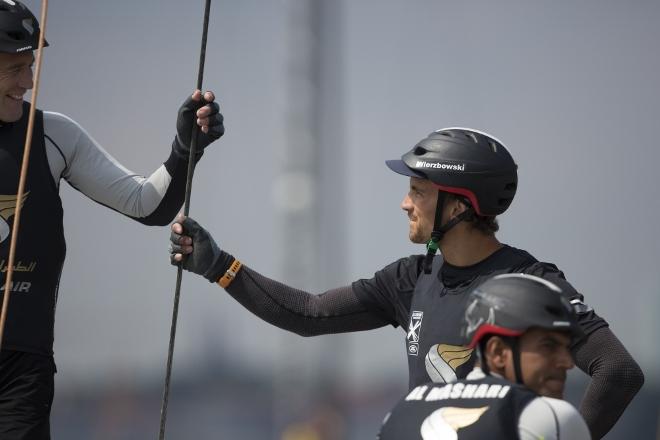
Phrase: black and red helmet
(510, 304)
(465, 162)
(19, 28)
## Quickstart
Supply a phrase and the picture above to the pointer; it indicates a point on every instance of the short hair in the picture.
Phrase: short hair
(485, 224)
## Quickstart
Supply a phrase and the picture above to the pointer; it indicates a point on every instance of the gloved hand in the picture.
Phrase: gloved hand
(206, 113)
(193, 247)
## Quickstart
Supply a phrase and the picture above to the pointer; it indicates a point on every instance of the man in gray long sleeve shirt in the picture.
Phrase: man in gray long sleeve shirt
(61, 149)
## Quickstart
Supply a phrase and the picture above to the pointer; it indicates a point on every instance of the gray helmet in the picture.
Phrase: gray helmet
(510, 304)
(465, 162)
(19, 28)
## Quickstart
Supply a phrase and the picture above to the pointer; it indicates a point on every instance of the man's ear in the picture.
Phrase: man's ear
(456, 207)
(497, 354)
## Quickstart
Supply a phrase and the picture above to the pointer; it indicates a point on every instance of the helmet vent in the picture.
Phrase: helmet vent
(556, 311)
(510, 186)
(473, 137)
(493, 146)
(504, 202)
(420, 151)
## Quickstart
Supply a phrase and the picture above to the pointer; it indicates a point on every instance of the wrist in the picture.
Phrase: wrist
(219, 267)
(183, 151)
(230, 274)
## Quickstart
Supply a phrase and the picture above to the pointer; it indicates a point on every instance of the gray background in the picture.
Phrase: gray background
(570, 87)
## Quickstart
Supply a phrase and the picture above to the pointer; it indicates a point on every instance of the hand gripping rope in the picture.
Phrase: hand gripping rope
(186, 209)
(24, 168)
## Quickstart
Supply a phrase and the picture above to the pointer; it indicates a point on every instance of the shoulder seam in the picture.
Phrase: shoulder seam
(554, 416)
(59, 150)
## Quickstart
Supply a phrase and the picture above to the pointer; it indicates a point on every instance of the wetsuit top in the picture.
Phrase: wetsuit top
(486, 408)
(431, 307)
(62, 149)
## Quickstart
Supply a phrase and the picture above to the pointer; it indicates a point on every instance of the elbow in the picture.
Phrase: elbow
(306, 330)
(630, 376)
(305, 333)
(156, 218)
(158, 222)
(636, 378)
(147, 221)
(625, 374)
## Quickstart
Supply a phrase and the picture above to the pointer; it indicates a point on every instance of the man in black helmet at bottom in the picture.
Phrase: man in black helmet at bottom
(61, 149)
(521, 327)
(460, 180)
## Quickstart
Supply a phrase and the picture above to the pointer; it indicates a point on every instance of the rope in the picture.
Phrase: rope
(186, 209)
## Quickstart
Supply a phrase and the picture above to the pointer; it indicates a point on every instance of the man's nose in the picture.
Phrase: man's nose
(406, 204)
(565, 359)
(25, 78)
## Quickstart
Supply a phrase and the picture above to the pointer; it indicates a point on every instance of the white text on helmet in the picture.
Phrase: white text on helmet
(439, 165)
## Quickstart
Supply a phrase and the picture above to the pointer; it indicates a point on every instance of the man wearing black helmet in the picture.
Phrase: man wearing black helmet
(460, 180)
(521, 327)
(61, 149)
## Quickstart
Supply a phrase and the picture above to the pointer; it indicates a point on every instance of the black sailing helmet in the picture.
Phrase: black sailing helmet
(466, 162)
(509, 305)
(19, 28)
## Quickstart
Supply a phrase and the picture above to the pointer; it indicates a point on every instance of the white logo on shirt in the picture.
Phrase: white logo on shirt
(413, 332)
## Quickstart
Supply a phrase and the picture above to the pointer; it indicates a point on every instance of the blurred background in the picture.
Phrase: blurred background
(316, 96)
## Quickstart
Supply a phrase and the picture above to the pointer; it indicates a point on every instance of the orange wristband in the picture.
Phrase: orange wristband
(229, 276)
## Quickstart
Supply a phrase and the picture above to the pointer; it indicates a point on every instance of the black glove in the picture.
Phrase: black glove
(206, 258)
(184, 124)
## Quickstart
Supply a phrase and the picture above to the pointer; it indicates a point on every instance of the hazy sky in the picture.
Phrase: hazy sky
(570, 87)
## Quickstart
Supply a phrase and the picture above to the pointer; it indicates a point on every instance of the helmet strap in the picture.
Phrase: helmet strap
(481, 354)
(515, 350)
(439, 230)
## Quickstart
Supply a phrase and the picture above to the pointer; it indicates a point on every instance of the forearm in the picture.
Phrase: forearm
(152, 200)
(171, 200)
(304, 313)
(335, 311)
(615, 379)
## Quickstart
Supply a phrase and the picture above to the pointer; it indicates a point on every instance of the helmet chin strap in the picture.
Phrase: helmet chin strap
(439, 230)
(481, 355)
(515, 350)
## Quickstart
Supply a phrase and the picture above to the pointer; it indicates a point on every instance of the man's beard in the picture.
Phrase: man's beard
(417, 236)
